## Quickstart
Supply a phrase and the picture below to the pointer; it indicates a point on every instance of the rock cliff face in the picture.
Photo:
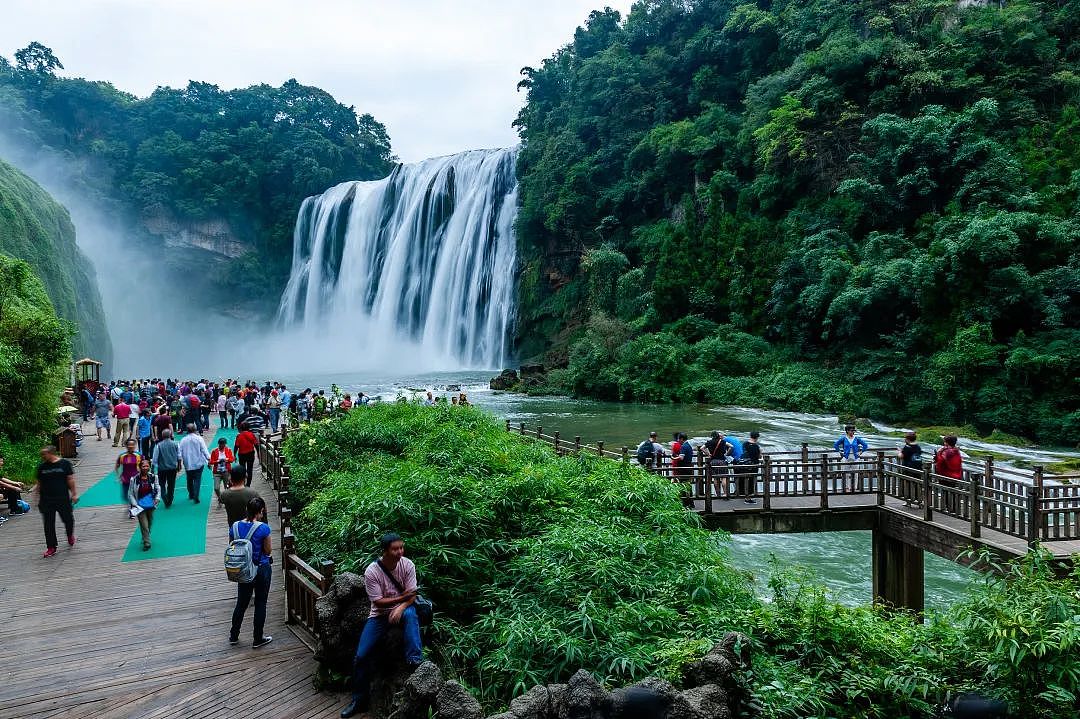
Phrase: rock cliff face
(35, 228)
(215, 236)
(711, 689)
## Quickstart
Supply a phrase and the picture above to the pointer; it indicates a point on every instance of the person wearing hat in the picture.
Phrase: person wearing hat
(273, 408)
(221, 461)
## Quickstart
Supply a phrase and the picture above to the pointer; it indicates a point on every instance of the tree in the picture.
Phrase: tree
(36, 59)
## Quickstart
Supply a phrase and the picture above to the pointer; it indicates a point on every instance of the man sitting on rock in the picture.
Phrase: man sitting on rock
(390, 582)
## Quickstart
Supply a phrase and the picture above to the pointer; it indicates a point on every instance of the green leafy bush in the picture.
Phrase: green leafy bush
(35, 350)
(538, 565)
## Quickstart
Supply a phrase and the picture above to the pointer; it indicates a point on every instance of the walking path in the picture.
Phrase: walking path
(94, 633)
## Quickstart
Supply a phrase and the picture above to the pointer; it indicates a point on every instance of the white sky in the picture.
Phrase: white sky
(440, 75)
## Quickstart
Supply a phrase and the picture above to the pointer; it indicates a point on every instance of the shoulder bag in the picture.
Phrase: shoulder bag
(424, 609)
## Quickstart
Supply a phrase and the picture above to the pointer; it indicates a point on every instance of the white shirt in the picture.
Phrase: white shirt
(193, 451)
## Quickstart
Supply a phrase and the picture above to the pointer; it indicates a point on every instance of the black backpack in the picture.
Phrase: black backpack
(645, 453)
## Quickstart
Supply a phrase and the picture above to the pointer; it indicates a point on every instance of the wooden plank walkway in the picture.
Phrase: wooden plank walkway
(87, 635)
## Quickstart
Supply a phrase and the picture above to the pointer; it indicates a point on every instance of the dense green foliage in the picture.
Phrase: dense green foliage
(540, 565)
(507, 537)
(886, 193)
(246, 156)
(34, 228)
(35, 352)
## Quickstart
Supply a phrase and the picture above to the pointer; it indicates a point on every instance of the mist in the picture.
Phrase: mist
(156, 329)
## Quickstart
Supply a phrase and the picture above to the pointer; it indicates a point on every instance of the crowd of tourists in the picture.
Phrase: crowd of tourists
(733, 465)
(148, 416)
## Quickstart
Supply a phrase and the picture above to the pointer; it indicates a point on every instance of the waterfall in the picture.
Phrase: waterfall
(425, 255)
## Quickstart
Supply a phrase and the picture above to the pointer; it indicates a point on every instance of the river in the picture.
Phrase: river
(840, 560)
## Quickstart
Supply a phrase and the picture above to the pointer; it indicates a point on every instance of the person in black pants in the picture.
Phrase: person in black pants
(55, 493)
(12, 492)
(254, 529)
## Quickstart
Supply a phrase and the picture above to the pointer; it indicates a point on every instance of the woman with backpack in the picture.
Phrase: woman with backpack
(144, 493)
(255, 530)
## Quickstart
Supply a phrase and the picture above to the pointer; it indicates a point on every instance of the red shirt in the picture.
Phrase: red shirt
(122, 411)
(224, 456)
(246, 442)
(949, 463)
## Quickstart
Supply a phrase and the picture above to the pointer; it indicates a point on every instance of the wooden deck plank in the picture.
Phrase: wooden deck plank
(80, 610)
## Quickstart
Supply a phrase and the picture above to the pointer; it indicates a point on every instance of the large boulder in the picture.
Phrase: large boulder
(532, 375)
(723, 664)
(455, 702)
(341, 614)
(508, 380)
(707, 702)
(585, 698)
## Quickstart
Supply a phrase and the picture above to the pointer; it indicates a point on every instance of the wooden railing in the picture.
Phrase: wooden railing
(304, 584)
(1026, 505)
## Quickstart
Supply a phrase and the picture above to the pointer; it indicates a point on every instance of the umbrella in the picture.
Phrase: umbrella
(66, 408)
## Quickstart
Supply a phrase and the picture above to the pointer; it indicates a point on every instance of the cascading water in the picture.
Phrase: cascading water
(425, 255)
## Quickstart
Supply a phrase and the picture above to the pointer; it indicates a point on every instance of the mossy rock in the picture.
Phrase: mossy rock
(1065, 466)
(1013, 440)
(862, 424)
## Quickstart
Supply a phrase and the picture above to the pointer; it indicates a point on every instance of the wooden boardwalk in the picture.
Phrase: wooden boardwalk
(87, 635)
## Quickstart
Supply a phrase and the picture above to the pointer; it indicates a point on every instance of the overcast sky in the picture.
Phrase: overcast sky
(440, 75)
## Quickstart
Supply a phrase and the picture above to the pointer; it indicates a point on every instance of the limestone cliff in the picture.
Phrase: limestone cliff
(38, 230)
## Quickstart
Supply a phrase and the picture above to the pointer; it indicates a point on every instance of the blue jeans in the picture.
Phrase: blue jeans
(374, 630)
(261, 589)
(275, 417)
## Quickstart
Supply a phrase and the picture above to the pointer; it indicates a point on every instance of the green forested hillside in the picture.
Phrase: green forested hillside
(35, 354)
(247, 156)
(36, 229)
(843, 205)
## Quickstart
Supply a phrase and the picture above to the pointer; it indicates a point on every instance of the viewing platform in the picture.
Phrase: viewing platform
(1001, 510)
(94, 632)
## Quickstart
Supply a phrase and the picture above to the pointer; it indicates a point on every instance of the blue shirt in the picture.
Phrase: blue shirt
(850, 448)
(144, 427)
(263, 531)
(736, 446)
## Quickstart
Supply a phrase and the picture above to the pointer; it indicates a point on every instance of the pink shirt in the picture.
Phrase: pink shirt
(379, 586)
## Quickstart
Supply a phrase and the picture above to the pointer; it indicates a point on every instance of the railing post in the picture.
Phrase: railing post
(1035, 507)
(974, 479)
(555, 443)
(522, 426)
(805, 468)
(326, 569)
(577, 444)
(600, 448)
(928, 493)
(287, 547)
(625, 454)
(539, 431)
(700, 473)
(508, 426)
(766, 477)
(709, 479)
(881, 477)
(824, 480)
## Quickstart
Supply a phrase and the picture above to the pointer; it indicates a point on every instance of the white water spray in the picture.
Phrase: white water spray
(421, 260)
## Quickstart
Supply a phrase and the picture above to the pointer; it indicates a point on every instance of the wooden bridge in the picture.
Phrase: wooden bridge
(1002, 510)
(998, 509)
